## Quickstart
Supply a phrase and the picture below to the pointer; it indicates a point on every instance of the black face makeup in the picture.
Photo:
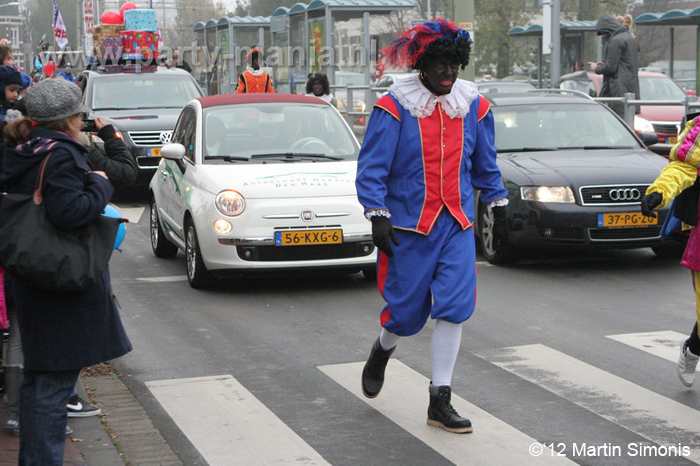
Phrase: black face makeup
(440, 76)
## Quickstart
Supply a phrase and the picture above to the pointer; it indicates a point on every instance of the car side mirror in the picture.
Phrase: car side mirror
(649, 139)
(173, 151)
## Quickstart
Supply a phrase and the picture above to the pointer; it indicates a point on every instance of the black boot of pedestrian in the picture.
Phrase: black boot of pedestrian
(442, 414)
(373, 373)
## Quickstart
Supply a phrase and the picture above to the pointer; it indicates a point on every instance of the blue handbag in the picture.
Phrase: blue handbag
(673, 226)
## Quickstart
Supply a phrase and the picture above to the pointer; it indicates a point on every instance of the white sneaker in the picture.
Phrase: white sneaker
(687, 362)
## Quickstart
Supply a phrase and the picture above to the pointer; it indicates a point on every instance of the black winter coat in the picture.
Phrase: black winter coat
(619, 68)
(64, 331)
(115, 160)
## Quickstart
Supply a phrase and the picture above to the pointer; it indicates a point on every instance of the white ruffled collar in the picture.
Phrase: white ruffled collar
(257, 72)
(420, 102)
(327, 97)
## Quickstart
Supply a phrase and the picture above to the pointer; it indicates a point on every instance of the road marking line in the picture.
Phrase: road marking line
(404, 400)
(228, 425)
(132, 213)
(664, 344)
(648, 414)
(172, 278)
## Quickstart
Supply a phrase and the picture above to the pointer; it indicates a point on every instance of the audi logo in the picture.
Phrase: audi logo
(625, 194)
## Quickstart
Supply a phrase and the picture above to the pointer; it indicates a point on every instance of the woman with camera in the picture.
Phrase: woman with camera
(61, 332)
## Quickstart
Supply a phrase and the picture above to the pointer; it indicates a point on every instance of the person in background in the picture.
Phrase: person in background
(627, 21)
(318, 86)
(6, 58)
(178, 62)
(680, 174)
(61, 333)
(115, 159)
(254, 78)
(429, 145)
(619, 66)
(10, 84)
(67, 74)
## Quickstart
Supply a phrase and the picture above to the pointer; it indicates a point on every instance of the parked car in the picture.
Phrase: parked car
(487, 87)
(389, 78)
(259, 182)
(350, 78)
(664, 120)
(575, 175)
(142, 102)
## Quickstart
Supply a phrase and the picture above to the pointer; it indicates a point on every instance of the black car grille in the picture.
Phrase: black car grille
(665, 128)
(600, 195)
(617, 234)
(305, 253)
(148, 138)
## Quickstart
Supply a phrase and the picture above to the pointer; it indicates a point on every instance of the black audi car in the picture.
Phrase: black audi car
(142, 102)
(575, 175)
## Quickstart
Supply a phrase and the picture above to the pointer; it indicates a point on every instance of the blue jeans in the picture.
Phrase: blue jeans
(43, 416)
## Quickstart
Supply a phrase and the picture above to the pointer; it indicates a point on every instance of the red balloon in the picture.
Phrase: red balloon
(127, 6)
(111, 17)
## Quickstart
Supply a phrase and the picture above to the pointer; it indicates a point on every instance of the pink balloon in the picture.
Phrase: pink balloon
(127, 6)
(111, 17)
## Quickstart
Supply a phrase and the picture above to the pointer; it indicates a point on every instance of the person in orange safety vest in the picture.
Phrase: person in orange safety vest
(254, 79)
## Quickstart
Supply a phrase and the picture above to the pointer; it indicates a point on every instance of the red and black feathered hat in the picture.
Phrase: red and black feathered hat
(406, 51)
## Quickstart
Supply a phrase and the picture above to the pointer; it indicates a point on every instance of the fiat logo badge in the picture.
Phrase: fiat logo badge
(307, 215)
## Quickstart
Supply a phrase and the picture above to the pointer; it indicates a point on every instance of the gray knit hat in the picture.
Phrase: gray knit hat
(53, 99)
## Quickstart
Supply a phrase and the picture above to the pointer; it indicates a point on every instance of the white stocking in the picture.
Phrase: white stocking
(445, 346)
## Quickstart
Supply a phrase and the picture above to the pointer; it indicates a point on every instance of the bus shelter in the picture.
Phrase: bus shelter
(673, 18)
(573, 39)
(222, 45)
(332, 36)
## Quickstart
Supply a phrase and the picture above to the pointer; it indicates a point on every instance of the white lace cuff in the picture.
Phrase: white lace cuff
(500, 202)
(377, 213)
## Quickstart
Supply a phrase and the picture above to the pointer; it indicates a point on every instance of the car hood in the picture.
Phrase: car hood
(280, 180)
(153, 119)
(583, 167)
(668, 113)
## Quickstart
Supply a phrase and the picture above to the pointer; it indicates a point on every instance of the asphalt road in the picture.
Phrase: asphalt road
(572, 351)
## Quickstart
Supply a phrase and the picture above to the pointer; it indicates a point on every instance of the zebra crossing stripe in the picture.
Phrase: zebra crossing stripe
(648, 414)
(228, 425)
(665, 344)
(404, 400)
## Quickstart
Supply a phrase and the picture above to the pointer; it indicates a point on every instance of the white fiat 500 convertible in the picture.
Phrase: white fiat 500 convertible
(259, 182)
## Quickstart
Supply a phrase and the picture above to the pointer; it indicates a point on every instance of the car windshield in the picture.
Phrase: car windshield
(142, 91)
(280, 131)
(559, 126)
(659, 89)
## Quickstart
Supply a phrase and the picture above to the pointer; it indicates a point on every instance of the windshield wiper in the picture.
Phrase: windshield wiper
(606, 147)
(227, 158)
(296, 155)
(528, 149)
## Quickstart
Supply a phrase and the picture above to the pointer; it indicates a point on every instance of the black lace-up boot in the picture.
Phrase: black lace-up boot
(373, 373)
(442, 414)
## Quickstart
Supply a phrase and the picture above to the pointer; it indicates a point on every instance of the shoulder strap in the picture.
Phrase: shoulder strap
(38, 195)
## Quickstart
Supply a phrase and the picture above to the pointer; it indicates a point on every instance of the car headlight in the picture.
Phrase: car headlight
(642, 124)
(547, 194)
(230, 203)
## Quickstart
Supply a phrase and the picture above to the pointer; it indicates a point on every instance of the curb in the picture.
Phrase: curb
(127, 435)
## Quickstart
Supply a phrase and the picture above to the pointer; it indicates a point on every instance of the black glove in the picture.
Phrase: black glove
(650, 202)
(107, 132)
(500, 223)
(382, 231)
